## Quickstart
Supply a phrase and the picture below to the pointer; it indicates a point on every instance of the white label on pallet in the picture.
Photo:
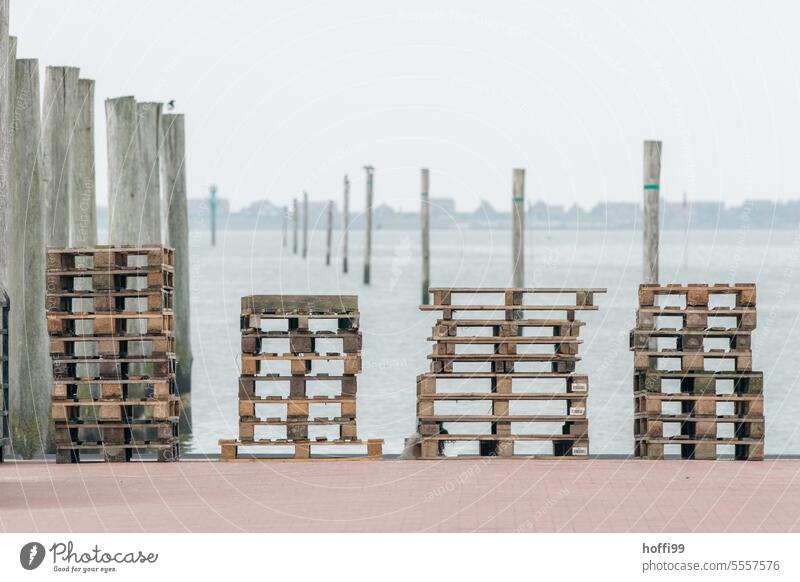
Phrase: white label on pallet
(579, 387)
(580, 451)
(577, 410)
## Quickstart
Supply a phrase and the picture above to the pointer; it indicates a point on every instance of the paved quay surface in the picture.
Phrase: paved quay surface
(485, 495)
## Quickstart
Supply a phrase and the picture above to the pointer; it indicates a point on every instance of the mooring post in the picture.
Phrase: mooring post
(518, 228)
(285, 226)
(329, 234)
(149, 132)
(59, 111)
(424, 215)
(83, 202)
(368, 244)
(212, 204)
(295, 224)
(305, 224)
(173, 166)
(125, 190)
(652, 187)
(30, 367)
(6, 121)
(345, 222)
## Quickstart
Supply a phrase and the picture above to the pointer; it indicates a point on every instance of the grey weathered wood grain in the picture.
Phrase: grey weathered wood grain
(652, 188)
(426, 234)
(83, 201)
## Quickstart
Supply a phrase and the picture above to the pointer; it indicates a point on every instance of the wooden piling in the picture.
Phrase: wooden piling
(329, 233)
(295, 224)
(212, 203)
(6, 81)
(149, 132)
(652, 187)
(173, 166)
(424, 214)
(345, 223)
(368, 244)
(285, 228)
(83, 202)
(305, 224)
(518, 228)
(126, 191)
(30, 367)
(59, 110)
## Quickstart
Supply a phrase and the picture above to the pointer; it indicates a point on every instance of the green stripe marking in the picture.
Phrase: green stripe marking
(517, 199)
(652, 186)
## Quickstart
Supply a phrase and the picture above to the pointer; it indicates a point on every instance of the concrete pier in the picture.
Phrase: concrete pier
(83, 197)
(149, 132)
(177, 236)
(59, 109)
(29, 350)
(652, 188)
(126, 192)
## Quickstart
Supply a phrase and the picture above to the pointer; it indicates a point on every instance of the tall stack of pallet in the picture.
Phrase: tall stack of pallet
(710, 399)
(290, 379)
(505, 338)
(5, 439)
(109, 316)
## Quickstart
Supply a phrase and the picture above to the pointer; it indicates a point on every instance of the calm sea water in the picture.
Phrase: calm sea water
(395, 330)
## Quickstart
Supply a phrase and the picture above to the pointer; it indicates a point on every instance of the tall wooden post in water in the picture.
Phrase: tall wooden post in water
(652, 187)
(83, 203)
(368, 244)
(30, 367)
(345, 223)
(295, 224)
(285, 226)
(518, 228)
(149, 132)
(424, 216)
(173, 157)
(6, 120)
(329, 233)
(59, 114)
(305, 224)
(126, 191)
(213, 209)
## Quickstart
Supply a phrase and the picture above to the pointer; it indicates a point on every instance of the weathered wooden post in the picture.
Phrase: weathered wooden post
(424, 215)
(59, 114)
(285, 225)
(126, 191)
(345, 223)
(368, 245)
(213, 208)
(518, 228)
(6, 81)
(329, 234)
(177, 236)
(149, 132)
(652, 187)
(295, 224)
(305, 224)
(83, 203)
(31, 370)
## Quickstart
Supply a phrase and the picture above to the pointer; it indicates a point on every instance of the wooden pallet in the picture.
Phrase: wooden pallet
(302, 450)
(698, 295)
(431, 447)
(700, 449)
(300, 363)
(161, 277)
(109, 257)
(5, 434)
(691, 360)
(699, 381)
(690, 339)
(158, 346)
(297, 385)
(697, 318)
(301, 341)
(71, 409)
(109, 324)
(75, 302)
(168, 451)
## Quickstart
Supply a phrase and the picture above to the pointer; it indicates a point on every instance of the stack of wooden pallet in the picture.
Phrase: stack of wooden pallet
(109, 316)
(291, 379)
(4, 428)
(710, 401)
(526, 352)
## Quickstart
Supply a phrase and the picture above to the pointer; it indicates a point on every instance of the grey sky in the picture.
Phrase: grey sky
(281, 96)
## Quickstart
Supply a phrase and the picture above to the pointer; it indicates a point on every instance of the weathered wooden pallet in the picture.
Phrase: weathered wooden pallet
(691, 360)
(651, 403)
(697, 318)
(300, 363)
(298, 385)
(109, 324)
(160, 387)
(76, 302)
(65, 368)
(252, 322)
(312, 305)
(118, 452)
(699, 382)
(64, 409)
(700, 448)
(109, 257)
(502, 363)
(303, 450)
(159, 345)
(301, 341)
(134, 431)
(697, 295)
(156, 278)
(652, 426)
(431, 447)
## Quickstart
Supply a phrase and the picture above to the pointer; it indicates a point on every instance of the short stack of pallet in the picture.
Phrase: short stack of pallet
(505, 338)
(5, 439)
(290, 379)
(709, 400)
(109, 316)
